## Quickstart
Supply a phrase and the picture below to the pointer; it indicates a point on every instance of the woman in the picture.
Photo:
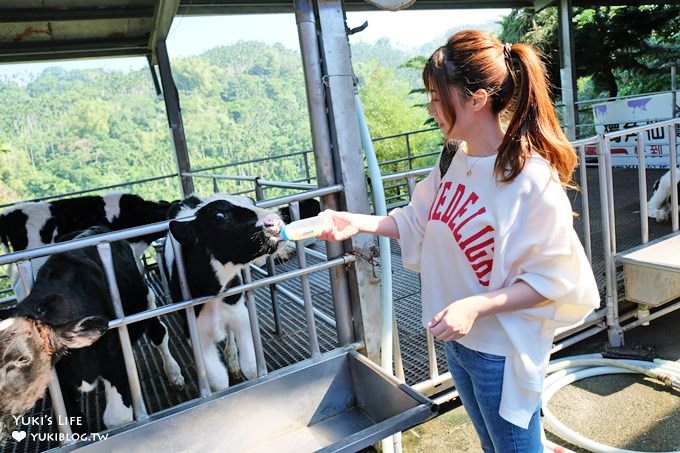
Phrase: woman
(501, 266)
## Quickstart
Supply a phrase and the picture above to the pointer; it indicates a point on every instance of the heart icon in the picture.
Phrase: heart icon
(19, 435)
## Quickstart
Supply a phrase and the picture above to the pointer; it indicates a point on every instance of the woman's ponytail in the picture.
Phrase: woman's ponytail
(534, 126)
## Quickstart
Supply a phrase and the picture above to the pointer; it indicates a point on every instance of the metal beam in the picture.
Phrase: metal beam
(542, 4)
(175, 122)
(206, 7)
(344, 132)
(8, 15)
(567, 75)
(82, 48)
(162, 20)
(307, 26)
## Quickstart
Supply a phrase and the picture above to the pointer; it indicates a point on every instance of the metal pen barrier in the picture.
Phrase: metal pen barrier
(25, 270)
(271, 270)
(342, 260)
(642, 188)
(196, 346)
(609, 268)
(580, 146)
(254, 325)
(104, 250)
(396, 345)
(672, 144)
(306, 293)
(297, 300)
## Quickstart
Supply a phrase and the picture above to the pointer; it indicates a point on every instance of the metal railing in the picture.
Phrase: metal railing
(607, 317)
(609, 220)
(102, 242)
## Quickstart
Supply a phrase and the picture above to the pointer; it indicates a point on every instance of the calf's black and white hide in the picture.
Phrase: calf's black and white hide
(227, 234)
(34, 224)
(659, 204)
(68, 309)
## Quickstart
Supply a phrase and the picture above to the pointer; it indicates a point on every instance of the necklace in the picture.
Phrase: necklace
(469, 167)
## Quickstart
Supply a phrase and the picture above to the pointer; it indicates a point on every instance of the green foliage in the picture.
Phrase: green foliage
(71, 130)
(622, 50)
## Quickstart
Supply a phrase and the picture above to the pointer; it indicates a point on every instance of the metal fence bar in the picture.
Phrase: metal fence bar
(673, 151)
(196, 347)
(657, 314)
(582, 335)
(271, 270)
(401, 134)
(342, 260)
(585, 207)
(636, 129)
(286, 185)
(642, 188)
(193, 174)
(96, 189)
(252, 161)
(254, 325)
(408, 159)
(297, 300)
(407, 174)
(615, 338)
(396, 347)
(306, 292)
(432, 356)
(24, 268)
(300, 196)
(80, 243)
(104, 250)
(433, 382)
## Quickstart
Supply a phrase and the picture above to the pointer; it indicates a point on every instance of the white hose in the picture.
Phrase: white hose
(563, 372)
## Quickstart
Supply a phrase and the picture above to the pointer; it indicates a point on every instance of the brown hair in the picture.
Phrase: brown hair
(473, 60)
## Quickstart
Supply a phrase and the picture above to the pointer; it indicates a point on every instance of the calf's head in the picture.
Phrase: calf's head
(232, 230)
(28, 349)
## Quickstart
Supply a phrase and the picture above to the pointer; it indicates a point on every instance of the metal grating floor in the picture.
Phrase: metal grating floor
(292, 345)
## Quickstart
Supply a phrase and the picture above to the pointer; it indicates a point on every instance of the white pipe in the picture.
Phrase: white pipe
(380, 208)
(563, 372)
(383, 242)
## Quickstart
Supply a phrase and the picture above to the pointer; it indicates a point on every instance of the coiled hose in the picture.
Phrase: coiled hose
(562, 372)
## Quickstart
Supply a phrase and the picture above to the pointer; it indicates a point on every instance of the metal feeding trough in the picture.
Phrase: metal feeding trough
(338, 402)
(652, 271)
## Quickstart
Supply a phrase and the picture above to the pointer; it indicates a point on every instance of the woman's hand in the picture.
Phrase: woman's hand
(343, 226)
(455, 321)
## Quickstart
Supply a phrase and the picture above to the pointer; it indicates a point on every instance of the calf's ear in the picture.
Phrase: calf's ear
(81, 333)
(183, 232)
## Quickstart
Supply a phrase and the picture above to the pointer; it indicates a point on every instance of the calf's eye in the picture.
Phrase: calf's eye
(220, 216)
(24, 359)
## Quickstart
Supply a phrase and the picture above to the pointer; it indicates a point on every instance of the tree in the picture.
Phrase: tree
(611, 44)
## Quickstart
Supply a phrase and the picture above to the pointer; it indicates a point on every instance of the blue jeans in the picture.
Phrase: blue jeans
(478, 377)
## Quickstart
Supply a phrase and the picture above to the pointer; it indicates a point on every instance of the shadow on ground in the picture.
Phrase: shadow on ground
(624, 411)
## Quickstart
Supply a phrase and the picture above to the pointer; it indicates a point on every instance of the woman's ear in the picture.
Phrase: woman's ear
(479, 99)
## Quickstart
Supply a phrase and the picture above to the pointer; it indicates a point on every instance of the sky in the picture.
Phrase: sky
(191, 35)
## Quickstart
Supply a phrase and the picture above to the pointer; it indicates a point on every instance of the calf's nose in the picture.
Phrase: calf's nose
(272, 223)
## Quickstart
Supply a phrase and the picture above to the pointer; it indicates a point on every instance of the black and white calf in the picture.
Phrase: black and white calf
(227, 234)
(68, 309)
(659, 204)
(34, 224)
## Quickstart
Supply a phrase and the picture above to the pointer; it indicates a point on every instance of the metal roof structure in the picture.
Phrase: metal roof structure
(33, 30)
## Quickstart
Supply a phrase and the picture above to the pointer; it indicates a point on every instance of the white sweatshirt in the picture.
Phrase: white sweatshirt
(468, 234)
